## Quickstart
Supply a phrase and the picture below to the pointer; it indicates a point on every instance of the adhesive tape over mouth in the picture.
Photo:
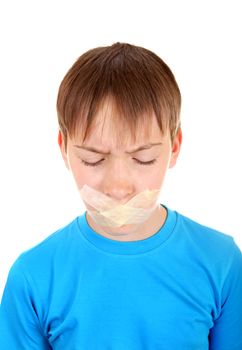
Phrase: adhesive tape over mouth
(108, 212)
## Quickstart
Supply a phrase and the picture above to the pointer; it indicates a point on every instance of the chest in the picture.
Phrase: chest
(131, 303)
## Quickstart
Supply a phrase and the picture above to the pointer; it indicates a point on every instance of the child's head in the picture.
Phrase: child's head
(119, 118)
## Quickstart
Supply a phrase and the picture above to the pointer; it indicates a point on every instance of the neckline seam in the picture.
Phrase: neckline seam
(114, 252)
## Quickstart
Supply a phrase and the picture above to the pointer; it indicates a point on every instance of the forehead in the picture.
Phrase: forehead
(110, 131)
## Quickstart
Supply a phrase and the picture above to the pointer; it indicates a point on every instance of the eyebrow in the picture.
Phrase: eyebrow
(95, 150)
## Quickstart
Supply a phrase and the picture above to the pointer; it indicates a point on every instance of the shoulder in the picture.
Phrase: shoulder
(38, 271)
(209, 243)
(203, 233)
(53, 247)
(213, 253)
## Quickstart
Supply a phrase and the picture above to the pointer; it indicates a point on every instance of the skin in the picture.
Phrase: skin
(118, 174)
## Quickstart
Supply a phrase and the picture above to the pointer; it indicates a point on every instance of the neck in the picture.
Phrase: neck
(132, 232)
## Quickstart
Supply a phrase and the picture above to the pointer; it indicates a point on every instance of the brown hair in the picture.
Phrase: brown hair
(137, 80)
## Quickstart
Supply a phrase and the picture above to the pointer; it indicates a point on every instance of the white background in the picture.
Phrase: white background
(200, 41)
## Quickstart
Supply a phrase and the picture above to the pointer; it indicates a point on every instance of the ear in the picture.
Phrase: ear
(61, 144)
(176, 146)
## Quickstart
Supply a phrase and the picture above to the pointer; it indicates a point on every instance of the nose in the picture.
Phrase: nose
(119, 183)
(120, 194)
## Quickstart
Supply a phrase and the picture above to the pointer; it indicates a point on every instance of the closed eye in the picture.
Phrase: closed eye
(145, 163)
(136, 160)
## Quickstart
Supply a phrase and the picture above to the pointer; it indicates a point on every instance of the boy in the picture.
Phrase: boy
(129, 273)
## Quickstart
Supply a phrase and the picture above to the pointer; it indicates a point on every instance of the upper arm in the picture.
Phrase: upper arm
(226, 333)
(19, 324)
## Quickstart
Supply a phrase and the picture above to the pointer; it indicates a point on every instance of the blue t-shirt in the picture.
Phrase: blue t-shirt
(180, 289)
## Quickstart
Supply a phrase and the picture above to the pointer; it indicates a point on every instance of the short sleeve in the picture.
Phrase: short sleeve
(19, 324)
(226, 333)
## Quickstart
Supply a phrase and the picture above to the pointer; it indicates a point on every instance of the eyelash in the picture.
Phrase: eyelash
(138, 161)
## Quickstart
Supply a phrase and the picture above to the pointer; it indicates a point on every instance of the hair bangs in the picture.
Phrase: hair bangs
(134, 80)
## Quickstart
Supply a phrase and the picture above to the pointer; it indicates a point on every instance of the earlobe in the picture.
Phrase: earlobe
(60, 138)
(176, 146)
(61, 144)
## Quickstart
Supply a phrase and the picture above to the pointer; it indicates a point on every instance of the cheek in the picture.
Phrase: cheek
(158, 173)
(81, 174)
(156, 179)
